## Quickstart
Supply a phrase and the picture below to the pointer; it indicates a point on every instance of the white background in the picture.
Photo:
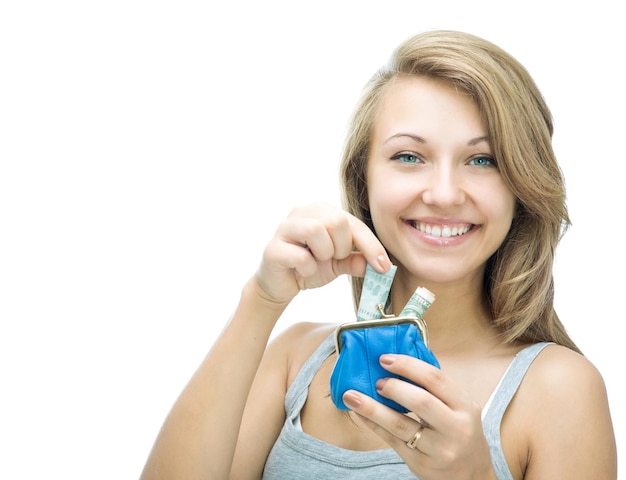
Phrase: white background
(149, 149)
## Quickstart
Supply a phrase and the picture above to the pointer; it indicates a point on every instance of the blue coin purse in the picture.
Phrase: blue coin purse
(359, 346)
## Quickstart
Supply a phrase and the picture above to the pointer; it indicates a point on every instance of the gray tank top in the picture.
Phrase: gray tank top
(299, 456)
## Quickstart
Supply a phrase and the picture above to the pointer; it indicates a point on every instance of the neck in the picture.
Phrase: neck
(458, 320)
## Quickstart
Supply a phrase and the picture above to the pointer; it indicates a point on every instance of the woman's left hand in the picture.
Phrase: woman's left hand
(448, 442)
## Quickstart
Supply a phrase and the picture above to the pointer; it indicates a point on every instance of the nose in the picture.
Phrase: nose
(443, 187)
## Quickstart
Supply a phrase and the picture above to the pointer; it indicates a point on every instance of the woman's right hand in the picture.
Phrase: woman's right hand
(312, 247)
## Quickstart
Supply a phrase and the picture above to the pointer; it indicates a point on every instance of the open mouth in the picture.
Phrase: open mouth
(444, 231)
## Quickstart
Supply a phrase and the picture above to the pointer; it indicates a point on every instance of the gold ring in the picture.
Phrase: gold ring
(412, 444)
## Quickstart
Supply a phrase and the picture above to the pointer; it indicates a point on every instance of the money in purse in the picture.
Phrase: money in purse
(360, 343)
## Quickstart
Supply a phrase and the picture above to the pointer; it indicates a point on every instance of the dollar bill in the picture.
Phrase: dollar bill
(418, 303)
(376, 288)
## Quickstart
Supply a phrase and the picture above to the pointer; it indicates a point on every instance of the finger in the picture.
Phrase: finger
(307, 233)
(337, 226)
(289, 256)
(332, 233)
(353, 265)
(343, 230)
(368, 244)
(441, 392)
(324, 230)
(393, 427)
(417, 400)
(315, 225)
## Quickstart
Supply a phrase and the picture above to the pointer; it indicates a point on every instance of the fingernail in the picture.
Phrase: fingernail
(352, 399)
(381, 383)
(383, 262)
(387, 360)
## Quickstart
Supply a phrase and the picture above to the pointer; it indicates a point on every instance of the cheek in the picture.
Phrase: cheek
(380, 202)
(385, 198)
(389, 190)
(504, 206)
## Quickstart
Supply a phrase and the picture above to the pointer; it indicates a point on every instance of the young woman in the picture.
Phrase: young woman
(449, 174)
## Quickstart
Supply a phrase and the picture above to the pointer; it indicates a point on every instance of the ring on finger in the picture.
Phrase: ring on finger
(412, 444)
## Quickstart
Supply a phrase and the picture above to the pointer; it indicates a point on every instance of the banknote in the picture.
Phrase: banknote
(418, 303)
(376, 287)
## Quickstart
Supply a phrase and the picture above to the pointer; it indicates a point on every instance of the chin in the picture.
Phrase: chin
(442, 273)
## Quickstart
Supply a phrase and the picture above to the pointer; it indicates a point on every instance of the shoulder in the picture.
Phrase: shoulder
(302, 335)
(560, 372)
(298, 342)
(559, 375)
(562, 409)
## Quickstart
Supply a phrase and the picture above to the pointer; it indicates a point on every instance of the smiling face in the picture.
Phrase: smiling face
(436, 198)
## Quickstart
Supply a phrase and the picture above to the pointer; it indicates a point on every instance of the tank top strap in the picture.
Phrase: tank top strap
(298, 390)
(507, 388)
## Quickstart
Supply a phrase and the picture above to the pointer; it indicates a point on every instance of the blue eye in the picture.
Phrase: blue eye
(483, 161)
(407, 158)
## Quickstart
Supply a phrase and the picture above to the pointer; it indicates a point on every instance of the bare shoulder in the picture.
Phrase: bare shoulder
(561, 370)
(298, 342)
(557, 377)
(562, 408)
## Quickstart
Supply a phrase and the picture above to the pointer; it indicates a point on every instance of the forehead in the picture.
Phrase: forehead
(422, 103)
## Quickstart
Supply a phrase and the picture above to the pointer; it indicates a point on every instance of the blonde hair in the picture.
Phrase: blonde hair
(519, 286)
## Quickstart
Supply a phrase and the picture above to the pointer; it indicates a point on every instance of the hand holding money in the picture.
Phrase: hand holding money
(312, 247)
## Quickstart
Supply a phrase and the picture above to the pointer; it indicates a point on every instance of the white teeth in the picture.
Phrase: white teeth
(442, 230)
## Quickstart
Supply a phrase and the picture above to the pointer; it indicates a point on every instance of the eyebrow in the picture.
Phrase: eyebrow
(415, 138)
(477, 140)
(418, 139)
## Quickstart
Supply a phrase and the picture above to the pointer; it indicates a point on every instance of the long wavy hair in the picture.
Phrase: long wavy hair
(519, 285)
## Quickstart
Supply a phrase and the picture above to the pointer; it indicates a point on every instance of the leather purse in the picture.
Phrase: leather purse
(359, 346)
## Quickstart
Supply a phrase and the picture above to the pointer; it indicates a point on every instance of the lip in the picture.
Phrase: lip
(441, 232)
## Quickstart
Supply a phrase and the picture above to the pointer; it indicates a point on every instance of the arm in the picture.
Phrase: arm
(199, 437)
(264, 414)
(571, 433)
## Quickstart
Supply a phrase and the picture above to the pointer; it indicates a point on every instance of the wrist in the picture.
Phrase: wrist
(255, 295)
